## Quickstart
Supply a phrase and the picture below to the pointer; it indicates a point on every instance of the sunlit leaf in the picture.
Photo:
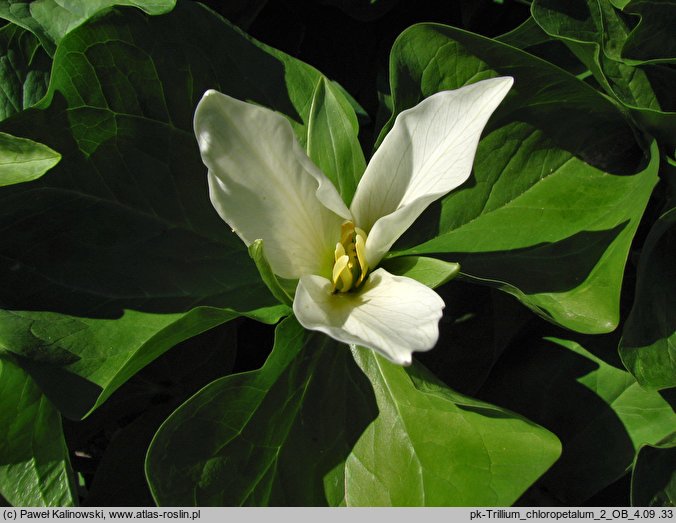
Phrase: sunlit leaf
(332, 139)
(430, 446)
(34, 466)
(556, 194)
(23, 160)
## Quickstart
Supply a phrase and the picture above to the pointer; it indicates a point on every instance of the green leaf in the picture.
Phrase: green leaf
(135, 412)
(332, 141)
(34, 466)
(23, 160)
(653, 480)
(79, 362)
(653, 39)
(530, 37)
(596, 33)
(596, 408)
(24, 70)
(117, 254)
(429, 271)
(51, 20)
(557, 193)
(275, 436)
(648, 345)
(430, 446)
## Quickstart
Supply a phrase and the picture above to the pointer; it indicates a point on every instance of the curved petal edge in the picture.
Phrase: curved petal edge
(264, 186)
(428, 153)
(392, 315)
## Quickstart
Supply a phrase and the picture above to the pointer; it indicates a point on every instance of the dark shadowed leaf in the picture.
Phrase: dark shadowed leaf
(653, 481)
(596, 408)
(648, 345)
(596, 33)
(24, 70)
(117, 254)
(275, 436)
(653, 38)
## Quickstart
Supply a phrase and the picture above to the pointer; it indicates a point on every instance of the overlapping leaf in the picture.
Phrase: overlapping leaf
(430, 446)
(332, 139)
(285, 435)
(24, 70)
(270, 437)
(598, 410)
(653, 480)
(648, 346)
(51, 20)
(597, 34)
(34, 466)
(556, 194)
(652, 39)
(117, 254)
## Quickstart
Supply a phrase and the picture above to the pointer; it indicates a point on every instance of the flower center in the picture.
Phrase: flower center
(350, 267)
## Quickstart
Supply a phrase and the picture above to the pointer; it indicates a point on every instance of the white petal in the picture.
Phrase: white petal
(393, 315)
(428, 153)
(265, 187)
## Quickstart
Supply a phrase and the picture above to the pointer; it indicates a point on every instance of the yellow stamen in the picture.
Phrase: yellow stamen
(340, 252)
(360, 248)
(342, 272)
(350, 268)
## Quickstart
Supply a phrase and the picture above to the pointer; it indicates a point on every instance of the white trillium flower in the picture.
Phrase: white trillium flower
(264, 186)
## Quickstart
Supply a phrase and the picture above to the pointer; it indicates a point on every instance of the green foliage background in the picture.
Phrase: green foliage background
(143, 359)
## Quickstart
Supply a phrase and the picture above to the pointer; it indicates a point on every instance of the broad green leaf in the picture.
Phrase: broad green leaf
(530, 37)
(430, 271)
(430, 446)
(596, 408)
(24, 70)
(653, 480)
(80, 361)
(23, 160)
(275, 436)
(648, 345)
(117, 254)
(653, 38)
(34, 466)
(139, 407)
(332, 141)
(596, 33)
(556, 194)
(51, 20)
